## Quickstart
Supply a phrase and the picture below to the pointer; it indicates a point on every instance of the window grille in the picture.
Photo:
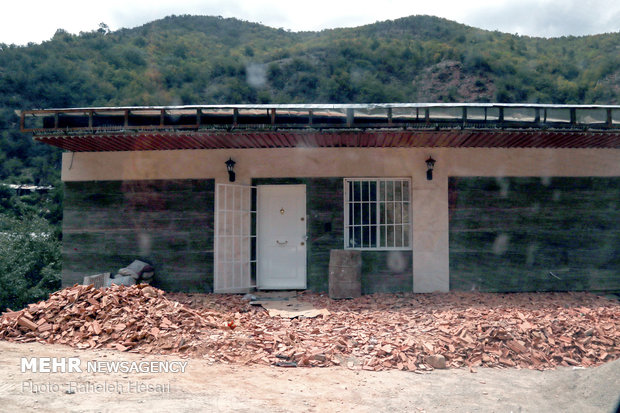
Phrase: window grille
(377, 214)
(235, 238)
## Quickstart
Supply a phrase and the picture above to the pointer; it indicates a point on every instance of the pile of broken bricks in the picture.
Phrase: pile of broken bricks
(137, 318)
(415, 332)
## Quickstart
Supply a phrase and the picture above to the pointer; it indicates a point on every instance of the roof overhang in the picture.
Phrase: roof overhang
(324, 125)
(305, 139)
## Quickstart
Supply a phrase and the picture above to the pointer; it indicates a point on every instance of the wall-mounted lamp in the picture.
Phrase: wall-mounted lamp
(230, 166)
(430, 164)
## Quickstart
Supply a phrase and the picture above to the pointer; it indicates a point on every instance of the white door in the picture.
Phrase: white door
(281, 237)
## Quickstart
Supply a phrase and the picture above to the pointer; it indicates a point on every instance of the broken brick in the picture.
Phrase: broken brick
(372, 332)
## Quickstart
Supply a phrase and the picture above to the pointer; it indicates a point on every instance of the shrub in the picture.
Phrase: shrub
(30, 261)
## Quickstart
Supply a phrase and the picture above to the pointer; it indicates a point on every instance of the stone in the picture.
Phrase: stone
(437, 361)
(150, 292)
(319, 357)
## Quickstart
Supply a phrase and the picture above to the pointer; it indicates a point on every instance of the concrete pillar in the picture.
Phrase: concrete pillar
(431, 254)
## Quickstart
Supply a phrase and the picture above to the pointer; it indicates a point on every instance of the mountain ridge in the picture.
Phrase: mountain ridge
(213, 60)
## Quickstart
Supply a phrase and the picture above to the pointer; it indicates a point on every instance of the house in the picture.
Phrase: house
(522, 197)
(25, 189)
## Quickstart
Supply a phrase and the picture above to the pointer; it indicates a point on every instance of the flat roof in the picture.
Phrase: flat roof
(325, 125)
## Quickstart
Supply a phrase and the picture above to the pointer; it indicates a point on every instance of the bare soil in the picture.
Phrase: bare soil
(220, 387)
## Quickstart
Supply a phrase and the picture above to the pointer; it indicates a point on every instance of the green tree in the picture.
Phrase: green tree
(30, 261)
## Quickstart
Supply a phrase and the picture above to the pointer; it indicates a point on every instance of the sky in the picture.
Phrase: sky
(35, 21)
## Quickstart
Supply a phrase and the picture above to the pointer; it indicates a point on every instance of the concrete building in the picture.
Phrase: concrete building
(521, 197)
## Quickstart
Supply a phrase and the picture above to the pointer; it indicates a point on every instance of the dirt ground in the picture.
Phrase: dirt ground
(221, 388)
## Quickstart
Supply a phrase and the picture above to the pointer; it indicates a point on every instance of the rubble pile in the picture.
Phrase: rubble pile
(416, 332)
(425, 331)
(137, 318)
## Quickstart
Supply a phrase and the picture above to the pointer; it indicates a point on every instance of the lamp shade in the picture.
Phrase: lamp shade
(430, 163)
(230, 165)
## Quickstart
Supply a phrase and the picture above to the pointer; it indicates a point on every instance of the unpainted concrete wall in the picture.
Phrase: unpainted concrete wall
(430, 200)
(169, 224)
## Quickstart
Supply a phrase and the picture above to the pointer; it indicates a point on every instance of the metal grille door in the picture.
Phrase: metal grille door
(235, 238)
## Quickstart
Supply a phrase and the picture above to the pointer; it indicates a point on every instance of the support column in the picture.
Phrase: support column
(431, 252)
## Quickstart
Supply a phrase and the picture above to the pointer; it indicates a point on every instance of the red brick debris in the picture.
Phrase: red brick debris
(375, 332)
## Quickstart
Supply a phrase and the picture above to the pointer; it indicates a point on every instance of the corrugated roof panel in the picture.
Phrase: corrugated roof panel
(401, 139)
(457, 138)
(286, 139)
(511, 139)
(487, 140)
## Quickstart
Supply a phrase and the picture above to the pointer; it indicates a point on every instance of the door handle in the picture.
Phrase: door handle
(281, 243)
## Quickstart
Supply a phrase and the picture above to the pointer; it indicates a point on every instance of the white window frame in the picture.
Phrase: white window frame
(381, 225)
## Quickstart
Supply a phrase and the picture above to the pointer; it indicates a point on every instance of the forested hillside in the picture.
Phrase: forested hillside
(200, 60)
(206, 60)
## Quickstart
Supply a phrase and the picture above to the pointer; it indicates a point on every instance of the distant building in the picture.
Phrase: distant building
(28, 189)
(521, 197)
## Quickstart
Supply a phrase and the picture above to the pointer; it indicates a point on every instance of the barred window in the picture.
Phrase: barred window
(377, 214)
